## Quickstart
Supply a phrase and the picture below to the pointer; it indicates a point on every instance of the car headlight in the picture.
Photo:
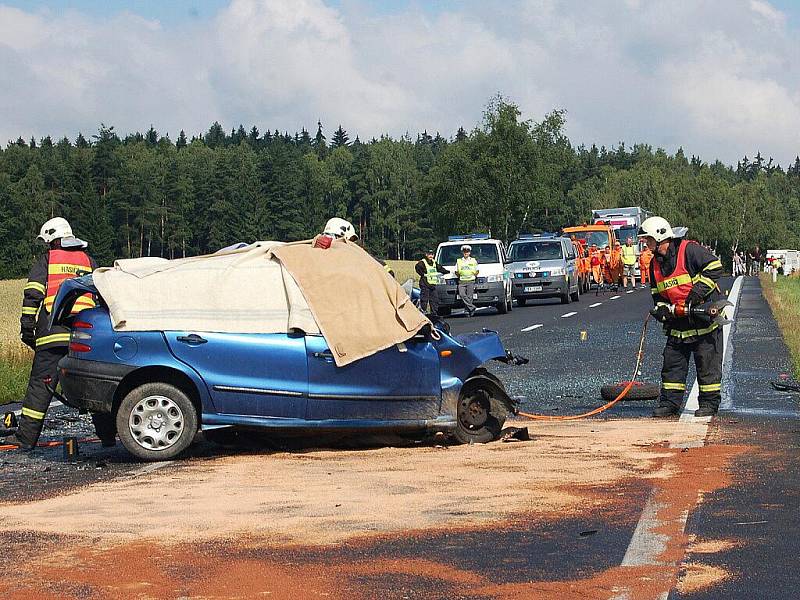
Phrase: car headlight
(493, 278)
(557, 271)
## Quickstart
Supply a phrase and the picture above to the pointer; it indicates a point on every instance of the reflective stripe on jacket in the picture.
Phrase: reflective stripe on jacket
(676, 288)
(466, 268)
(431, 272)
(63, 265)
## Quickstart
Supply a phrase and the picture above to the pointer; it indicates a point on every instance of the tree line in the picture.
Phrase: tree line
(145, 195)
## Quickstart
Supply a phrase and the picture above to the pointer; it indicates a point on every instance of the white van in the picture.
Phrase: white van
(493, 284)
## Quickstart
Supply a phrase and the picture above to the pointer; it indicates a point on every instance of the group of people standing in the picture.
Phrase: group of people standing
(614, 266)
(748, 263)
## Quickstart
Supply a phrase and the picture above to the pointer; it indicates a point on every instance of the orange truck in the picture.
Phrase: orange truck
(585, 235)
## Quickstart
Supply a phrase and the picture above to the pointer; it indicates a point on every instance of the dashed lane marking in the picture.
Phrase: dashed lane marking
(532, 327)
(569, 314)
(595, 304)
(613, 297)
(630, 291)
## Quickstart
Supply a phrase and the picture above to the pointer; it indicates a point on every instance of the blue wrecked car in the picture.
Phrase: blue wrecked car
(164, 386)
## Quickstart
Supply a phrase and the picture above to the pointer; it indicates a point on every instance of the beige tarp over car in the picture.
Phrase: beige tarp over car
(266, 287)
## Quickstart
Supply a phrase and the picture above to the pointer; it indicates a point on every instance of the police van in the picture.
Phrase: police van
(493, 283)
(543, 266)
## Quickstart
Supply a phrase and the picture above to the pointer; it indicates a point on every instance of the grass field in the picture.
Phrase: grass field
(404, 269)
(15, 358)
(784, 299)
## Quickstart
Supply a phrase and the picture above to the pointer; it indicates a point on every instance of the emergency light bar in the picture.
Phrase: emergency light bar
(468, 236)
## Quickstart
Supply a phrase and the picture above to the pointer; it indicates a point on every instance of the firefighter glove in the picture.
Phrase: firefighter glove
(661, 312)
(28, 338)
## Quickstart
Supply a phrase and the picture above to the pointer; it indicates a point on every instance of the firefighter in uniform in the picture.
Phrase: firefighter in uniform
(683, 274)
(428, 270)
(64, 260)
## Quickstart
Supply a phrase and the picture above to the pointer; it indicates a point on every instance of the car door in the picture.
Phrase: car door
(401, 382)
(250, 374)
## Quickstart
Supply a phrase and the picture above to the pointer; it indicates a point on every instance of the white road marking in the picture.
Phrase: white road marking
(147, 469)
(595, 304)
(613, 297)
(532, 327)
(647, 544)
(481, 308)
(629, 291)
(569, 314)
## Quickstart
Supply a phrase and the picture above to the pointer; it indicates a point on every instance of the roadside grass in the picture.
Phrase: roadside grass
(403, 270)
(784, 300)
(15, 358)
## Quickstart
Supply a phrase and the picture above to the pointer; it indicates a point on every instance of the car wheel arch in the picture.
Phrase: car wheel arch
(157, 373)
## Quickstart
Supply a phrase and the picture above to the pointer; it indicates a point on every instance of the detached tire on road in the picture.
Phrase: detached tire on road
(156, 421)
(639, 391)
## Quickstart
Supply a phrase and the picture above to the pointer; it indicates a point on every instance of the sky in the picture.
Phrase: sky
(719, 78)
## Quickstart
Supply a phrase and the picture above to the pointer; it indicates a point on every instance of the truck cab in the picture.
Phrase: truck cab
(493, 284)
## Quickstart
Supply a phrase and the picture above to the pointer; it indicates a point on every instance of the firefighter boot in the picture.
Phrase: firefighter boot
(706, 410)
(666, 409)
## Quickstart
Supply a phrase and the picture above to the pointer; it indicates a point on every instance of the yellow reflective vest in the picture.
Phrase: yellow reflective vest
(467, 269)
(628, 255)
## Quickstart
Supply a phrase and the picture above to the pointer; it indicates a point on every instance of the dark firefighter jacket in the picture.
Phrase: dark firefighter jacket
(38, 295)
(705, 270)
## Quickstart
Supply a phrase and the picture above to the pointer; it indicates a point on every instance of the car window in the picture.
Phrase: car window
(483, 253)
(570, 251)
(592, 237)
(623, 233)
(535, 251)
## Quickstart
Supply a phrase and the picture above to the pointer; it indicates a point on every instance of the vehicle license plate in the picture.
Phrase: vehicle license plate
(533, 288)
(474, 296)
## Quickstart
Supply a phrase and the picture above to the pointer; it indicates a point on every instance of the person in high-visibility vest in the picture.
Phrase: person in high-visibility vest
(467, 271)
(66, 258)
(596, 263)
(645, 258)
(629, 263)
(684, 274)
(616, 263)
(429, 275)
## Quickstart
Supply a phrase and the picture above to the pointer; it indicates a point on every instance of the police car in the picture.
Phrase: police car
(493, 284)
(543, 266)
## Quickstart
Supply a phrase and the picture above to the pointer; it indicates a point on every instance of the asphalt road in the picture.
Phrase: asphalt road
(721, 527)
(565, 374)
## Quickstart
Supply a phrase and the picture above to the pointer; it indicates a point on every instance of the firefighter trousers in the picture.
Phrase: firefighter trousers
(707, 350)
(428, 295)
(37, 399)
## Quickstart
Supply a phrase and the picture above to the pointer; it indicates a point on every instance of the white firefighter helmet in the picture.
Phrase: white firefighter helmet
(340, 228)
(58, 228)
(657, 228)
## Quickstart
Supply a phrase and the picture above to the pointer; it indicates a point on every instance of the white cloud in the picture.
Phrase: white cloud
(714, 76)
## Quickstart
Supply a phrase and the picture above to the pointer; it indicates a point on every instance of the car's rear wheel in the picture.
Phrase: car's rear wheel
(576, 296)
(565, 297)
(156, 421)
(479, 418)
(444, 311)
(521, 301)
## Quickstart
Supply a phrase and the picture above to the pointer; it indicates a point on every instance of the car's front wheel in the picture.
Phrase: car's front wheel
(156, 421)
(480, 419)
